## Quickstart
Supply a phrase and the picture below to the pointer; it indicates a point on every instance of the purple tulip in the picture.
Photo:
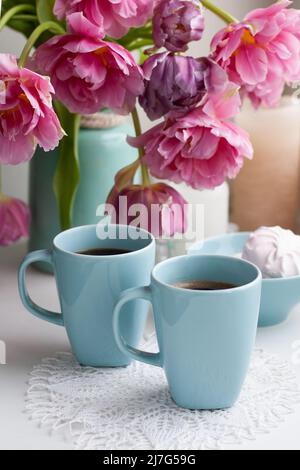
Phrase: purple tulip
(177, 84)
(162, 209)
(176, 23)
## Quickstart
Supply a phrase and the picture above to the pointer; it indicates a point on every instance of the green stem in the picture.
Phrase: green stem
(129, 40)
(26, 17)
(227, 17)
(55, 28)
(145, 35)
(137, 33)
(145, 175)
(14, 11)
(139, 43)
(138, 131)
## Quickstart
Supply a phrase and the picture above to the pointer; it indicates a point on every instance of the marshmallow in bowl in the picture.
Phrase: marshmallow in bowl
(275, 251)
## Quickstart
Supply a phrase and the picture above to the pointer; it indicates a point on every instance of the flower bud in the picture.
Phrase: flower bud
(176, 23)
(158, 208)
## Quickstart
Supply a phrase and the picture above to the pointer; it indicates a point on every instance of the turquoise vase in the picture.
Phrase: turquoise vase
(102, 153)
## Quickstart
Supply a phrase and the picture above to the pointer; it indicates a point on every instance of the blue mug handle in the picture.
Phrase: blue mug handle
(39, 312)
(133, 353)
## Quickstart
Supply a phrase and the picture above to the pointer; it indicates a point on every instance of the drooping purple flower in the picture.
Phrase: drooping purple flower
(158, 208)
(172, 83)
(175, 84)
(176, 23)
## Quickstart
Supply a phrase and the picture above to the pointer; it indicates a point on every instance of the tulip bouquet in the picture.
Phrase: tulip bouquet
(85, 58)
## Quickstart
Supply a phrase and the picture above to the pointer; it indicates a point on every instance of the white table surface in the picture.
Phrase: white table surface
(28, 340)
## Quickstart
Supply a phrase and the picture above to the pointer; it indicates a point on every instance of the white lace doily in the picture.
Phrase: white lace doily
(130, 408)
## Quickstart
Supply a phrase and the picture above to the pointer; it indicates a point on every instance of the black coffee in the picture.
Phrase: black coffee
(104, 252)
(204, 285)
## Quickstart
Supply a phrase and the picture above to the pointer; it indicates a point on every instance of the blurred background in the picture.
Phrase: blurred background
(15, 179)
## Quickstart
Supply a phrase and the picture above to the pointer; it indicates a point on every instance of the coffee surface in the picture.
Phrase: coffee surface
(204, 285)
(104, 252)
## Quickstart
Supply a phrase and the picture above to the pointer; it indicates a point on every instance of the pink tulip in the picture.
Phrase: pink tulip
(114, 17)
(26, 113)
(158, 208)
(14, 220)
(197, 149)
(88, 73)
(262, 53)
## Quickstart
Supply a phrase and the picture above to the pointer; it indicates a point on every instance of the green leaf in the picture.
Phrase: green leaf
(126, 175)
(67, 176)
(44, 10)
(41, 8)
(22, 26)
(8, 4)
(45, 13)
(123, 178)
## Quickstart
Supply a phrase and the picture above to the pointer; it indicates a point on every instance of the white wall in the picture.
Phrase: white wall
(15, 178)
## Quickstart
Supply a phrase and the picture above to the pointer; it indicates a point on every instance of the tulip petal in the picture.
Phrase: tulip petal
(17, 150)
(197, 149)
(111, 17)
(26, 112)
(14, 220)
(267, 54)
(252, 64)
(89, 74)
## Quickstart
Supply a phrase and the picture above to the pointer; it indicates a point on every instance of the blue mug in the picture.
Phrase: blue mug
(89, 286)
(205, 338)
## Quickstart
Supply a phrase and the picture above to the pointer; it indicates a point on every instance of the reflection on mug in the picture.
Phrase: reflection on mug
(2, 353)
(296, 353)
